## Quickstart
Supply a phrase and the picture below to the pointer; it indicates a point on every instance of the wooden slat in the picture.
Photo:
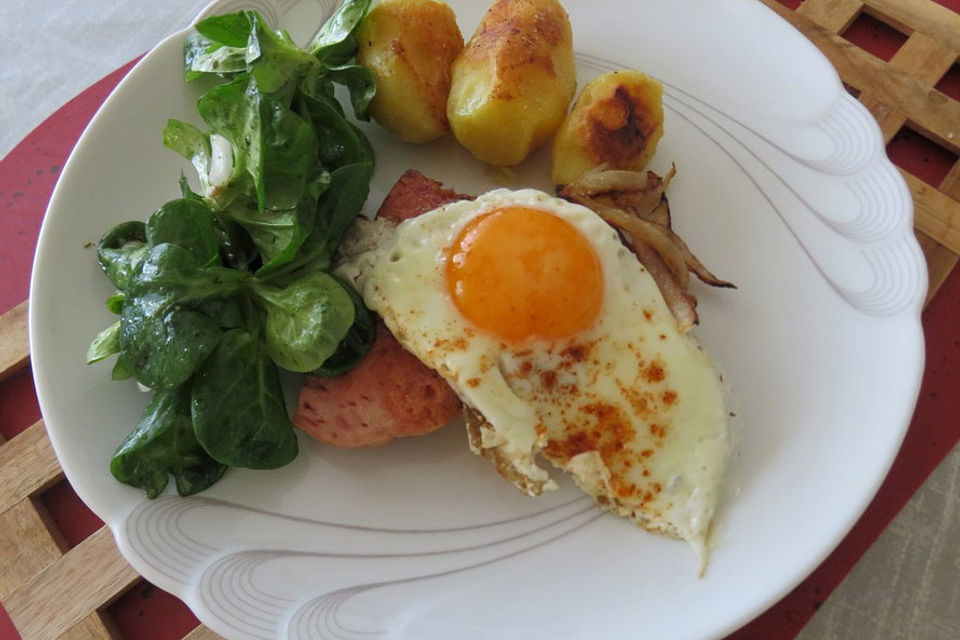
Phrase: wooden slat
(927, 59)
(28, 465)
(58, 598)
(918, 15)
(930, 110)
(921, 56)
(924, 57)
(36, 545)
(936, 214)
(950, 185)
(14, 352)
(901, 93)
(941, 260)
(890, 121)
(93, 627)
(833, 15)
(202, 633)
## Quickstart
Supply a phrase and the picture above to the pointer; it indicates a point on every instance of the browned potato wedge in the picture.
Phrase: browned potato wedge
(513, 80)
(409, 46)
(616, 121)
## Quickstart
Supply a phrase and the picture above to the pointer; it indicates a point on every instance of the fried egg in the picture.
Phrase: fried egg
(562, 348)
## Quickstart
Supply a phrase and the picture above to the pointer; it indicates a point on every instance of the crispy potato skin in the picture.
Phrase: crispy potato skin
(616, 121)
(513, 81)
(409, 46)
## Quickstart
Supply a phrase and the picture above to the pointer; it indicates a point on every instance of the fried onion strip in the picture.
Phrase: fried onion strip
(635, 203)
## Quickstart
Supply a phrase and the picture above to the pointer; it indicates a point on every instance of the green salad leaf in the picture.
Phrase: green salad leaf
(239, 415)
(106, 344)
(355, 344)
(336, 41)
(188, 224)
(340, 142)
(164, 444)
(121, 250)
(273, 144)
(163, 343)
(217, 45)
(359, 82)
(228, 30)
(174, 271)
(194, 145)
(220, 289)
(306, 320)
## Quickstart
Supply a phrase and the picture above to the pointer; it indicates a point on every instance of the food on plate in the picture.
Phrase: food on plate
(560, 344)
(513, 81)
(413, 194)
(635, 203)
(409, 46)
(557, 326)
(616, 122)
(390, 393)
(220, 288)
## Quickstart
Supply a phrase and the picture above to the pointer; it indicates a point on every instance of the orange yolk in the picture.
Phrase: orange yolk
(519, 273)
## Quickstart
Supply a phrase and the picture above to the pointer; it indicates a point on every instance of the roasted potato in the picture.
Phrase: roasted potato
(617, 121)
(513, 81)
(409, 46)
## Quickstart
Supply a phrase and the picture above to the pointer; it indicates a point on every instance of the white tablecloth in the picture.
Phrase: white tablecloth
(54, 49)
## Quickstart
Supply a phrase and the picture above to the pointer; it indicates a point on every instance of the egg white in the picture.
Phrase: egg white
(534, 395)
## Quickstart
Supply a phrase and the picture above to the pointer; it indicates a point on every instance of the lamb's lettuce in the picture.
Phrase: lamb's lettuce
(219, 288)
(121, 250)
(163, 342)
(106, 344)
(164, 444)
(194, 145)
(217, 45)
(355, 344)
(336, 41)
(359, 82)
(237, 405)
(306, 320)
(188, 224)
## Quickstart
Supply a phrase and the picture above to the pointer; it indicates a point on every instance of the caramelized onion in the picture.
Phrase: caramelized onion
(681, 302)
(635, 203)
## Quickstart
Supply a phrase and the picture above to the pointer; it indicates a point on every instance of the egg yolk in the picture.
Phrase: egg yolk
(520, 273)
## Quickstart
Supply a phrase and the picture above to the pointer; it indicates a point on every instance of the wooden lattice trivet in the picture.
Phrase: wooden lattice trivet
(49, 593)
(901, 92)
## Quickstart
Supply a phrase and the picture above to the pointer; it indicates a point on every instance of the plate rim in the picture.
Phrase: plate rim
(913, 315)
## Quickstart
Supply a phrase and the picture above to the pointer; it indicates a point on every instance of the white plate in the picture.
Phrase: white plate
(783, 187)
